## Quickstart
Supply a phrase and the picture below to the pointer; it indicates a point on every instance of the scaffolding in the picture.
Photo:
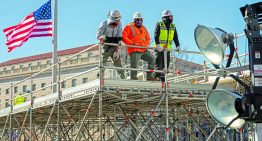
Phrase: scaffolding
(116, 109)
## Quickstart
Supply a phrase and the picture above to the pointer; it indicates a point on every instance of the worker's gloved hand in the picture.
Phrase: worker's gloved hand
(116, 55)
(159, 48)
(121, 43)
(178, 49)
(102, 39)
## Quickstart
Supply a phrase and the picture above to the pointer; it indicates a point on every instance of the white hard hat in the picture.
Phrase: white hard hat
(114, 15)
(137, 15)
(166, 13)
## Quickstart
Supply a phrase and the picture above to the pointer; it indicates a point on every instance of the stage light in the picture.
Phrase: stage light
(212, 43)
(221, 106)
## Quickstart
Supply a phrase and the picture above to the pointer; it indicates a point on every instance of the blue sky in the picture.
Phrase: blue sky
(78, 21)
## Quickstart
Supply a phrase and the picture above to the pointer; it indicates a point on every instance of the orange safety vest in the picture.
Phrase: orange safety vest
(136, 36)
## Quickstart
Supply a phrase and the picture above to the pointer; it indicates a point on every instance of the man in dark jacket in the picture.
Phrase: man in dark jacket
(165, 34)
(110, 31)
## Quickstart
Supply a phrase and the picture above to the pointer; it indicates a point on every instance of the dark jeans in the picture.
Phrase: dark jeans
(108, 52)
(160, 63)
(146, 56)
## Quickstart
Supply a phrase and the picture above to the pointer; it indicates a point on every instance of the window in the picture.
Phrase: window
(30, 66)
(85, 80)
(16, 89)
(78, 57)
(6, 103)
(13, 67)
(21, 66)
(0, 91)
(33, 87)
(6, 91)
(4, 69)
(48, 62)
(63, 84)
(24, 88)
(42, 85)
(90, 55)
(73, 82)
(39, 63)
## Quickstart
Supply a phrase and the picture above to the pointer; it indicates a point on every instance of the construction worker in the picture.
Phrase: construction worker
(110, 31)
(165, 34)
(136, 34)
(19, 99)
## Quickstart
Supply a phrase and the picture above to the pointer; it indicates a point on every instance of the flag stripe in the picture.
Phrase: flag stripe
(19, 33)
(20, 28)
(43, 32)
(44, 26)
(10, 28)
(25, 20)
(23, 23)
(18, 38)
(42, 29)
(41, 35)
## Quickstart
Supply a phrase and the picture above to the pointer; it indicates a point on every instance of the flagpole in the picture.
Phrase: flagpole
(54, 69)
(54, 46)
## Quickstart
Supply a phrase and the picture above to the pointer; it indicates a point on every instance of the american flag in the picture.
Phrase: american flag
(36, 24)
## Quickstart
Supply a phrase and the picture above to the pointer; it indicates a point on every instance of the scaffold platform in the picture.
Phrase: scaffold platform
(126, 95)
(117, 92)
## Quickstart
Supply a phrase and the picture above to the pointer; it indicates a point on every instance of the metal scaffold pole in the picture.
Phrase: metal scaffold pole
(11, 112)
(23, 126)
(75, 124)
(48, 120)
(150, 117)
(84, 118)
(31, 111)
(58, 104)
(166, 93)
(114, 125)
(5, 126)
(101, 71)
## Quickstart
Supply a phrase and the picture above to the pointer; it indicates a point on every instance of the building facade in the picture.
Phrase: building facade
(85, 58)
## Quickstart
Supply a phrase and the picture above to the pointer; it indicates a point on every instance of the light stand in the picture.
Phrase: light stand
(218, 126)
(253, 100)
(212, 43)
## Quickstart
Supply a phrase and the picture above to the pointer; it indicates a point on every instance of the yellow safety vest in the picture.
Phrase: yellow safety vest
(19, 99)
(165, 37)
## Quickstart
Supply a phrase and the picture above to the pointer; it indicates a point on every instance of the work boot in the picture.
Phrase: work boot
(134, 78)
(151, 79)
(162, 78)
(122, 76)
